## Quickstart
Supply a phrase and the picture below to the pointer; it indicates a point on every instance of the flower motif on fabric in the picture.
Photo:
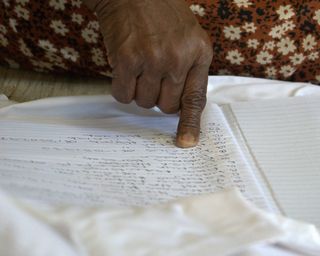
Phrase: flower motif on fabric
(287, 70)
(6, 3)
(3, 29)
(253, 43)
(270, 45)
(59, 27)
(285, 12)
(316, 16)
(13, 24)
(76, 3)
(93, 25)
(3, 40)
(22, 12)
(313, 56)
(232, 33)
(97, 57)
(242, 3)
(22, 2)
(198, 9)
(42, 65)
(309, 42)
(70, 54)
(277, 31)
(286, 45)
(77, 18)
(297, 58)
(235, 57)
(47, 46)
(24, 48)
(264, 57)
(89, 35)
(249, 27)
(58, 4)
(271, 72)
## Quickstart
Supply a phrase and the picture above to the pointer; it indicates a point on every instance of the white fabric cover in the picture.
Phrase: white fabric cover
(217, 224)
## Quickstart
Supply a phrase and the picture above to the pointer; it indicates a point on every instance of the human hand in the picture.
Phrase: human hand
(160, 56)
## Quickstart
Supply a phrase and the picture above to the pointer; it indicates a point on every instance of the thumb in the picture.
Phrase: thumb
(193, 102)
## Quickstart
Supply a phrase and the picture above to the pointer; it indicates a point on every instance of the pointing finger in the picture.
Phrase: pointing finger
(192, 104)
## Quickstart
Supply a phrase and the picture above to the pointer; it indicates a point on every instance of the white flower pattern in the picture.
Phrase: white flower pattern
(97, 57)
(13, 24)
(286, 46)
(249, 27)
(316, 16)
(264, 57)
(3, 41)
(271, 72)
(273, 39)
(89, 35)
(285, 12)
(235, 57)
(232, 33)
(313, 56)
(309, 42)
(24, 48)
(253, 43)
(59, 27)
(197, 9)
(277, 32)
(22, 12)
(287, 70)
(242, 3)
(47, 46)
(70, 54)
(297, 58)
(77, 18)
(58, 4)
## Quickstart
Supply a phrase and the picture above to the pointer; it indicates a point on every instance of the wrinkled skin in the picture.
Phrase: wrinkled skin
(160, 56)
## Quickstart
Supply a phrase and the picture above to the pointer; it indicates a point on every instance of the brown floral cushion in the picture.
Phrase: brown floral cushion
(261, 38)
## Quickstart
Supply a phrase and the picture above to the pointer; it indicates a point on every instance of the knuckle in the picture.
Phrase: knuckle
(122, 98)
(126, 58)
(121, 95)
(154, 56)
(169, 109)
(145, 104)
(177, 55)
(178, 77)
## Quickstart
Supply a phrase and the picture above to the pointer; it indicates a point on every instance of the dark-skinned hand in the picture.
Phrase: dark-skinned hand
(160, 56)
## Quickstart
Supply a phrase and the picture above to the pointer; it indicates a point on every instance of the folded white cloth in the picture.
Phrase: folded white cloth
(217, 224)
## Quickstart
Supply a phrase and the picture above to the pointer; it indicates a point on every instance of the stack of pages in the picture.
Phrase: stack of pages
(269, 150)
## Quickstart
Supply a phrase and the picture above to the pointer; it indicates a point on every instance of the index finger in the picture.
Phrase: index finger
(193, 101)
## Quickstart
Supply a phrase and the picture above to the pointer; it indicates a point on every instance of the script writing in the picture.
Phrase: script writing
(122, 161)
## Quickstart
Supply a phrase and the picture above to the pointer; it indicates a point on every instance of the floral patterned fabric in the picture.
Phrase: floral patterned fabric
(261, 38)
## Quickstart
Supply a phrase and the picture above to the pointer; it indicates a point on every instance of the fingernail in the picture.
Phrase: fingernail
(186, 140)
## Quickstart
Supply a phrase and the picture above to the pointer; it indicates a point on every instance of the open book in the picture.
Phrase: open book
(269, 150)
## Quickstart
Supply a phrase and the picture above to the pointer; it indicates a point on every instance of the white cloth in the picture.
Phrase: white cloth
(217, 224)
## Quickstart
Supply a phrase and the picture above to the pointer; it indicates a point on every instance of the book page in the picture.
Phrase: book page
(284, 139)
(127, 160)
